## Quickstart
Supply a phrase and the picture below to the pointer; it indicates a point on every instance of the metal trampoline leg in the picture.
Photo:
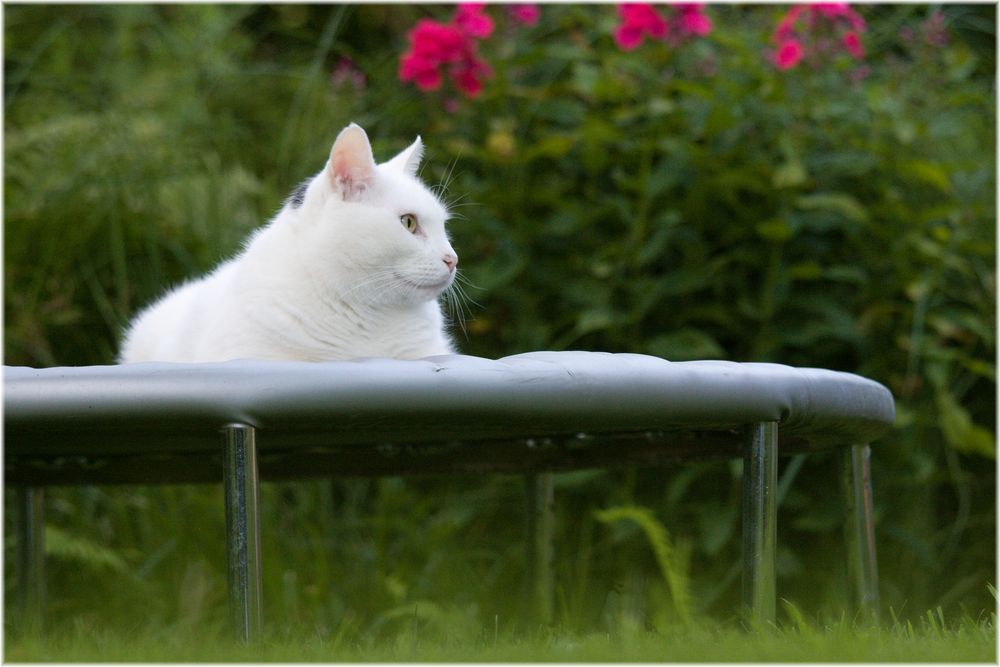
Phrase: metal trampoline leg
(241, 483)
(541, 498)
(862, 564)
(31, 559)
(760, 472)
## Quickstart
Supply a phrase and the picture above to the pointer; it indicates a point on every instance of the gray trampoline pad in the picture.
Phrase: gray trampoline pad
(540, 410)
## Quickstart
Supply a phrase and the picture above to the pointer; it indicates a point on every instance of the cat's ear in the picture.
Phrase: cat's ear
(408, 161)
(351, 168)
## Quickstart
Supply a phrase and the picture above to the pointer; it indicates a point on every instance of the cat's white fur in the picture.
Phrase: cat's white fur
(335, 276)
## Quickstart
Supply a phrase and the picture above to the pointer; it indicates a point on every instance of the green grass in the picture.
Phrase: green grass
(929, 641)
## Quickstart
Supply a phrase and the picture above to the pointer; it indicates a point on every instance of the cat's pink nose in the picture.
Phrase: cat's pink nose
(451, 261)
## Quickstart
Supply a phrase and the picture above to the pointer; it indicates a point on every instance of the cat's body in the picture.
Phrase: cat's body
(351, 267)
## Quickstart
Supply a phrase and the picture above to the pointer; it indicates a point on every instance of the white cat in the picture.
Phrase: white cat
(351, 267)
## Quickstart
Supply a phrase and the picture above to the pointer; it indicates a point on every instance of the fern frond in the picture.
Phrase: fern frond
(670, 557)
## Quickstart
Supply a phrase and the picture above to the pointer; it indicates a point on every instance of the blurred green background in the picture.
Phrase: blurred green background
(687, 202)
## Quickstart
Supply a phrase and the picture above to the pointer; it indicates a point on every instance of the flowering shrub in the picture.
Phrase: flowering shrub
(817, 30)
(641, 20)
(806, 31)
(435, 46)
(452, 47)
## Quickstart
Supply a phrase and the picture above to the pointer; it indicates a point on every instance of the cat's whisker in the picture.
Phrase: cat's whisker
(462, 302)
(456, 309)
(373, 278)
(453, 206)
(451, 172)
(459, 302)
(373, 286)
(465, 280)
(441, 189)
(462, 282)
(459, 203)
(458, 199)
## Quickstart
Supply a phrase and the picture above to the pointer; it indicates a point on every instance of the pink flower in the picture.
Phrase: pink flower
(347, 73)
(815, 30)
(524, 14)
(694, 21)
(438, 48)
(786, 26)
(789, 54)
(422, 71)
(469, 17)
(438, 42)
(641, 20)
(859, 74)
(934, 30)
(468, 77)
(834, 11)
(852, 43)
(628, 37)
(638, 21)
(829, 9)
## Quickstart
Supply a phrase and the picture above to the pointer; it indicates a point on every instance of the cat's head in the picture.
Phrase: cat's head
(378, 231)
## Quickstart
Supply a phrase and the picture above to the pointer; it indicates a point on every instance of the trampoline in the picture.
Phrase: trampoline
(240, 422)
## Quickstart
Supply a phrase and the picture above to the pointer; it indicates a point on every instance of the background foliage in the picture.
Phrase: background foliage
(688, 202)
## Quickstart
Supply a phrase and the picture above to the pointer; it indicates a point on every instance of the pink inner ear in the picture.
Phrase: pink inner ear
(352, 166)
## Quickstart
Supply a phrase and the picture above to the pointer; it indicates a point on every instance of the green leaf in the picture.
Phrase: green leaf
(654, 247)
(62, 544)
(776, 230)
(553, 145)
(685, 344)
(844, 204)
(905, 131)
(585, 78)
(930, 173)
(594, 319)
(959, 430)
(808, 270)
(716, 521)
(789, 175)
(686, 280)
(980, 367)
(847, 274)
(660, 106)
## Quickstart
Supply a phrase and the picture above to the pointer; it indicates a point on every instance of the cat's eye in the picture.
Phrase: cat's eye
(410, 222)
